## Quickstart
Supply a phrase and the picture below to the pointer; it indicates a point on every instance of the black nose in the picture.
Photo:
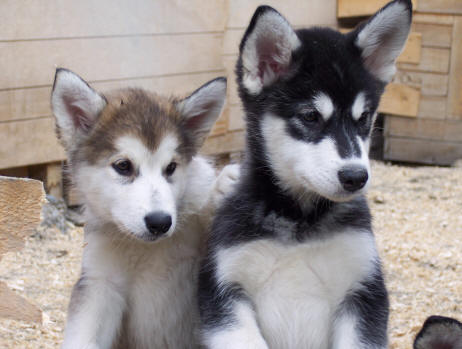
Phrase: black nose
(353, 177)
(158, 222)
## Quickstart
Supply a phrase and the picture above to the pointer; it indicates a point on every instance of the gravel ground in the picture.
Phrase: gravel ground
(418, 224)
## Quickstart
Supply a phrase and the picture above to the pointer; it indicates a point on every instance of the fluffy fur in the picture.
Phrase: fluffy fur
(132, 156)
(292, 261)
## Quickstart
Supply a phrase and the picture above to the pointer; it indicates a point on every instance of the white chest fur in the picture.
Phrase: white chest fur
(297, 287)
(157, 284)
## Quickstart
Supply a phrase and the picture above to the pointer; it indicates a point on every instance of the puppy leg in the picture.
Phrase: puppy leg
(240, 332)
(362, 320)
(95, 315)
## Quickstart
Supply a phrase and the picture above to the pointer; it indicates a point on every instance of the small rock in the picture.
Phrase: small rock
(379, 199)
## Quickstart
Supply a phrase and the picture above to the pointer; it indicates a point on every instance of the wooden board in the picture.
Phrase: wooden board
(29, 142)
(103, 59)
(454, 103)
(422, 151)
(435, 60)
(434, 35)
(432, 107)
(15, 307)
(412, 50)
(433, 18)
(438, 130)
(360, 8)
(228, 143)
(440, 6)
(29, 103)
(400, 100)
(430, 84)
(31, 19)
(236, 117)
(298, 13)
(20, 208)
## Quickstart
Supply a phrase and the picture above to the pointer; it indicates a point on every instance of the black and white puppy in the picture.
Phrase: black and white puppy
(292, 261)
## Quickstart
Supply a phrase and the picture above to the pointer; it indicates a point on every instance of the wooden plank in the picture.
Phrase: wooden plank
(434, 60)
(298, 13)
(236, 117)
(20, 208)
(434, 35)
(108, 58)
(412, 50)
(422, 151)
(429, 83)
(440, 6)
(30, 19)
(438, 130)
(433, 18)
(454, 102)
(32, 103)
(228, 143)
(29, 142)
(360, 8)
(400, 100)
(432, 107)
(15, 307)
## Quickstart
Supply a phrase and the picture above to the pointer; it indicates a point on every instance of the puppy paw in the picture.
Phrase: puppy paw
(225, 183)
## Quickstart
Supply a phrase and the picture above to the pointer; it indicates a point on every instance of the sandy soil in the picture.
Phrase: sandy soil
(418, 223)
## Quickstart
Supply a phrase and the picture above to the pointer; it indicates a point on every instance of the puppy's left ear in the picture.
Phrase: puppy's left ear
(201, 109)
(382, 38)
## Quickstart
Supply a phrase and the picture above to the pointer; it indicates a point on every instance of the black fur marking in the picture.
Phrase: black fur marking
(216, 301)
(370, 304)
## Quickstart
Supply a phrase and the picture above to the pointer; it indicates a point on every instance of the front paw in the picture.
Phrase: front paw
(225, 183)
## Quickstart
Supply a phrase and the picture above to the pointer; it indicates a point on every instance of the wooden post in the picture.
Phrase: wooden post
(20, 207)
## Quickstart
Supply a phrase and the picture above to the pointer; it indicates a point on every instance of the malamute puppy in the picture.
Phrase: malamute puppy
(292, 261)
(148, 197)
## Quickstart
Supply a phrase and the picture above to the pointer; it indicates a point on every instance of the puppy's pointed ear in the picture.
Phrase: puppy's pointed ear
(265, 50)
(76, 106)
(382, 38)
(439, 332)
(201, 109)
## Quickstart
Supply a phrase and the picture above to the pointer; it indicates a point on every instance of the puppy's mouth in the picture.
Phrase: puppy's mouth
(149, 237)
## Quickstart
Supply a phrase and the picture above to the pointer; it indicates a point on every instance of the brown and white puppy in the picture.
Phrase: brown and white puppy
(148, 199)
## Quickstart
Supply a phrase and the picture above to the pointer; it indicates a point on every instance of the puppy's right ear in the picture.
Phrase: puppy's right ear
(76, 106)
(265, 50)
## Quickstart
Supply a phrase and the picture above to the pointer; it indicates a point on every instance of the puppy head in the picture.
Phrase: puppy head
(311, 95)
(129, 151)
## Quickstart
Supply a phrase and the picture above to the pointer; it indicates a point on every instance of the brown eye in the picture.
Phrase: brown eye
(170, 168)
(123, 167)
(312, 116)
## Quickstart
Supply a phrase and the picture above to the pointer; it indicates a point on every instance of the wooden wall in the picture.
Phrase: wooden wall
(166, 45)
(173, 46)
